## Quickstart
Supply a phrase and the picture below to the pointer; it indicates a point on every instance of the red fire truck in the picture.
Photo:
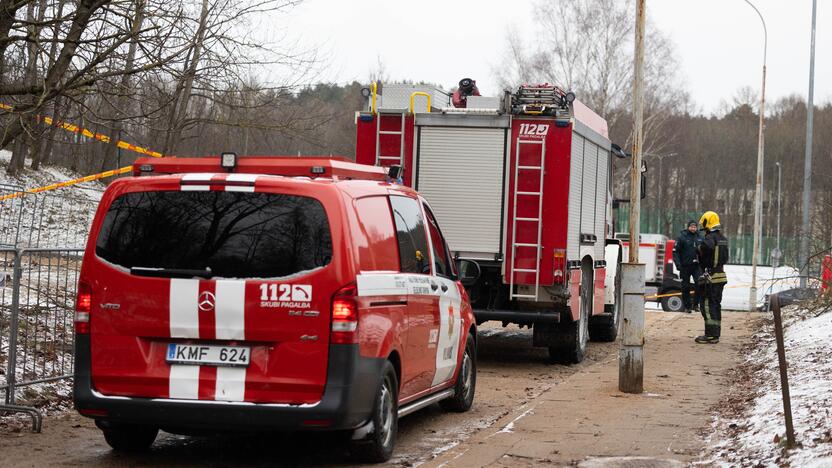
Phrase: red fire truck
(521, 184)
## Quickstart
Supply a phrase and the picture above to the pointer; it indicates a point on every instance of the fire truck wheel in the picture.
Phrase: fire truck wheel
(466, 381)
(378, 445)
(129, 438)
(572, 337)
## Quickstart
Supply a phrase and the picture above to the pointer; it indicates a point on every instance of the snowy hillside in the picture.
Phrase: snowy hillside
(56, 218)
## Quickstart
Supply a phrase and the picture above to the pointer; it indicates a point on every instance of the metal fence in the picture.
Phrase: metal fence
(740, 247)
(41, 246)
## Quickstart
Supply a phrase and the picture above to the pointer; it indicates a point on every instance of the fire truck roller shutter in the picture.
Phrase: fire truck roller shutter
(573, 231)
(601, 193)
(589, 170)
(460, 173)
(587, 196)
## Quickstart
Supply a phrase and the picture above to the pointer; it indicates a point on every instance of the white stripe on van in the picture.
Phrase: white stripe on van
(395, 284)
(183, 308)
(197, 176)
(237, 177)
(183, 382)
(230, 310)
(238, 188)
(382, 284)
(231, 384)
(450, 324)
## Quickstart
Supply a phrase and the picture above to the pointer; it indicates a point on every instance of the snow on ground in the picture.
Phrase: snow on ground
(58, 217)
(769, 280)
(47, 175)
(750, 429)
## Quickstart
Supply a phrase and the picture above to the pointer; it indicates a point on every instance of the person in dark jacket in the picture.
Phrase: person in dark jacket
(686, 259)
(713, 254)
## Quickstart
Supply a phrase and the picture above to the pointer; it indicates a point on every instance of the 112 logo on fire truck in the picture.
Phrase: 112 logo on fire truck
(533, 131)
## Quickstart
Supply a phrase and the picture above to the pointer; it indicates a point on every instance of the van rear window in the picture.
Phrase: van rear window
(235, 234)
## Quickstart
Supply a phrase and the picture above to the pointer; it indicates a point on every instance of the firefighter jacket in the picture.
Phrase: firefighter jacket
(713, 254)
(685, 249)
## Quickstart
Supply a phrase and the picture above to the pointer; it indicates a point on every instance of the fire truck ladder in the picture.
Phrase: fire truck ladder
(387, 159)
(538, 221)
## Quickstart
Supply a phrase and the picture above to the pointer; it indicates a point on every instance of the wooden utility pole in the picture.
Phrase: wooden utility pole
(631, 354)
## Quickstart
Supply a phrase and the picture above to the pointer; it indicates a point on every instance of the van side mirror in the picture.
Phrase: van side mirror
(469, 272)
(618, 152)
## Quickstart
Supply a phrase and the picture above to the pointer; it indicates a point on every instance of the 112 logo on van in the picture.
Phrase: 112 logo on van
(285, 295)
(533, 131)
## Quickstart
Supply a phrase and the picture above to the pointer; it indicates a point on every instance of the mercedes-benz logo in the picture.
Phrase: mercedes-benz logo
(206, 301)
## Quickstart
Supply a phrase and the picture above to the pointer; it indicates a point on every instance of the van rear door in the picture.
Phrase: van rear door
(212, 295)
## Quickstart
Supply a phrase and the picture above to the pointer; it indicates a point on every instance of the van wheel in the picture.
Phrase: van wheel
(129, 438)
(571, 338)
(378, 445)
(466, 381)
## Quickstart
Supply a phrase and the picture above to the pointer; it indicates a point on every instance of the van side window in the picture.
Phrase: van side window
(410, 231)
(375, 237)
(441, 257)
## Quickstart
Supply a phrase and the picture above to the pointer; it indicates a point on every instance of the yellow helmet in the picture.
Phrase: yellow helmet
(709, 220)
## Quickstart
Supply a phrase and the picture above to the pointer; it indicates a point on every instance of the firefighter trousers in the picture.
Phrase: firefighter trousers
(688, 273)
(711, 308)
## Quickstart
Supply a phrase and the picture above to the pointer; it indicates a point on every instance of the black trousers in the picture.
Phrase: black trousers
(712, 308)
(686, 273)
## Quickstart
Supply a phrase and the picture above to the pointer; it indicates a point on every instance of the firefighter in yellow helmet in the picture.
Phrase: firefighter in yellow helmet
(713, 254)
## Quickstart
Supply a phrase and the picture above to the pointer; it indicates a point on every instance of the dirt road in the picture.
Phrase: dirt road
(512, 375)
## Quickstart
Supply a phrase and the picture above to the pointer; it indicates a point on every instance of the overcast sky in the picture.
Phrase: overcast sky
(719, 42)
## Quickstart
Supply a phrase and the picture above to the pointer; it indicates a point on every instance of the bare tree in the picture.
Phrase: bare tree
(146, 70)
(586, 46)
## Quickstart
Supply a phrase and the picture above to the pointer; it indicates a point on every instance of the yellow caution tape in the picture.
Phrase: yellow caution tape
(89, 134)
(659, 296)
(100, 137)
(68, 183)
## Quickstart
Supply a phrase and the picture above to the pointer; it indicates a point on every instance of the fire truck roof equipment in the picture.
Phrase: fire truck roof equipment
(542, 99)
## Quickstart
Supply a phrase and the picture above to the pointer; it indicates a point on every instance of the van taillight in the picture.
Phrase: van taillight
(344, 316)
(83, 303)
(560, 266)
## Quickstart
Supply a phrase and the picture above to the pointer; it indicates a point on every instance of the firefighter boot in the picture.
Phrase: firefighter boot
(706, 339)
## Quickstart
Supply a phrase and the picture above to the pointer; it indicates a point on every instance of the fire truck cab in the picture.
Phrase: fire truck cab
(522, 185)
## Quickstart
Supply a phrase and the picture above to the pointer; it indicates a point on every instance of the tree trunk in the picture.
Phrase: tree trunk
(49, 134)
(51, 83)
(180, 107)
(111, 150)
(33, 136)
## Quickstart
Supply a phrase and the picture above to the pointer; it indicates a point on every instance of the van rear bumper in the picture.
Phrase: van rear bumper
(347, 401)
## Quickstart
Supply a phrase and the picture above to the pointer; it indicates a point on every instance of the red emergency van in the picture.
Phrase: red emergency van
(268, 293)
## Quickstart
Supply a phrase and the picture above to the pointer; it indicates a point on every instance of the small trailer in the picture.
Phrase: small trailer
(521, 184)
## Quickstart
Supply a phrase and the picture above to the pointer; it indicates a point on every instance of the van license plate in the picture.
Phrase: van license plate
(208, 355)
